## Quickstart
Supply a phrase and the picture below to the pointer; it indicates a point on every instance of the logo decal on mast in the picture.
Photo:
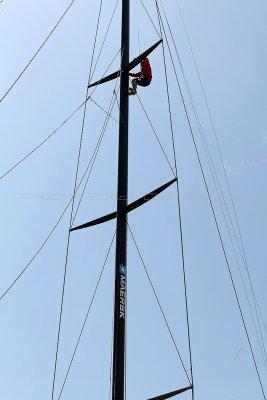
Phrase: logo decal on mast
(122, 270)
(122, 291)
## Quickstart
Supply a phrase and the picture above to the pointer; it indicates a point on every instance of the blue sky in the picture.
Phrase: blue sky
(229, 40)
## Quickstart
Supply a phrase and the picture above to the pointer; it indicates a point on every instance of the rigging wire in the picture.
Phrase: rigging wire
(4, 7)
(88, 83)
(3, 295)
(104, 128)
(264, 324)
(105, 111)
(72, 211)
(179, 219)
(37, 52)
(117, 101)
(105, 125)
(176, 175)
(217, 224)
(65, 275)
(114, 99)
(159, 303)
(214, 130)
(150, 18)
(105, 37)
(86, 317)
(217, 182)
(220, 194)
(93, 54)
(138, 26)
(78, 108)
(57, 129)
(156, 135)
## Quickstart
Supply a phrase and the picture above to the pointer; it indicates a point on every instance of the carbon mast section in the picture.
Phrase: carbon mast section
(118, 372)
(120, 301)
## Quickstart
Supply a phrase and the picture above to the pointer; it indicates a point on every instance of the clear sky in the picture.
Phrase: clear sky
(229, 40)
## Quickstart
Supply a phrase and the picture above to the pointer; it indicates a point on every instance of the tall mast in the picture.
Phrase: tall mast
(120, 301)
(123, 208)
(118, 383)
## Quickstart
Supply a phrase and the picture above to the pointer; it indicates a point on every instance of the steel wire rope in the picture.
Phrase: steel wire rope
(51, 232)
(204, 146)
(257, 326)
(95, 155)
(257, 306)
(103, 109)
(181, 235)
(4, 7)
(87, 86)
(86, 317)
(264, 324)
(78, 108)
(238, 240)
(219, 233)
(156, 135)
(260, 340)
(103, 130)
(150, 18)
(37, 52)
(71, 214)
(112, 102)
(117, 102)
(221, 195)
(138, 25)
(105, 37)
(105, 125)
(94, 48)
(210, 115)
(57, 129)
(159, 303)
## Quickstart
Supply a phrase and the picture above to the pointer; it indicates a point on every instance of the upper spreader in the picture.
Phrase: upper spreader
(130, 66)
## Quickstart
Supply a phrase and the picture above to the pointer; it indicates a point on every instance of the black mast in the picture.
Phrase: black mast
(121, 235)
(123, 208)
